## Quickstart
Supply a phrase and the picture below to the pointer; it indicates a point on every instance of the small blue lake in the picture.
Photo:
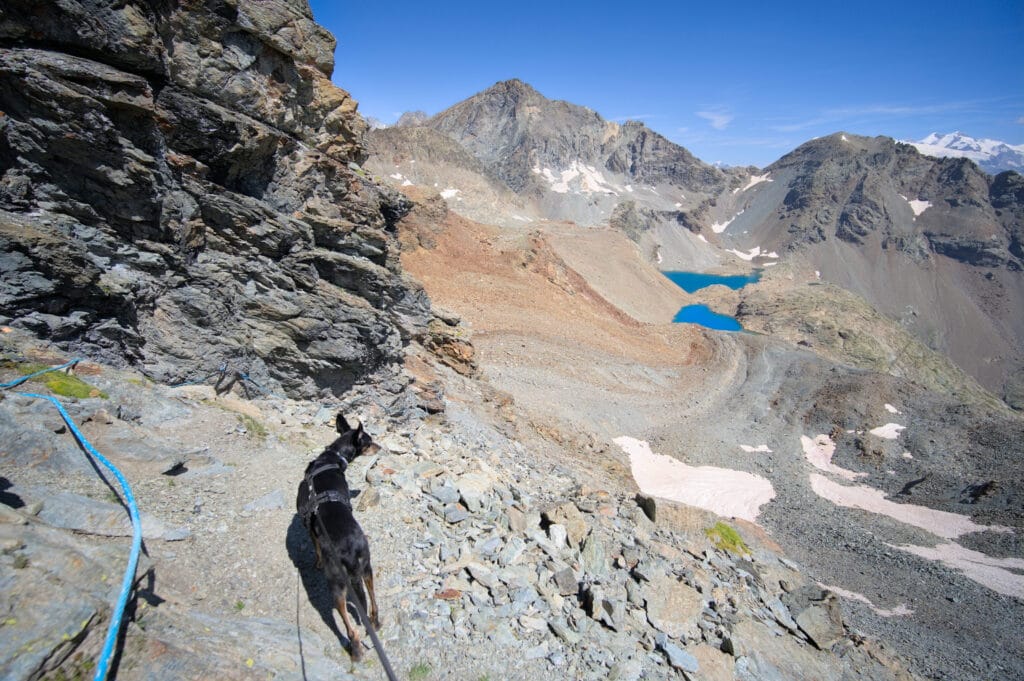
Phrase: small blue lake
(702, 314)
(694, 281)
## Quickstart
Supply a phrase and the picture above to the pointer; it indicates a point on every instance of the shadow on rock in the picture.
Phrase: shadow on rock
(300, 550)
(9, 498)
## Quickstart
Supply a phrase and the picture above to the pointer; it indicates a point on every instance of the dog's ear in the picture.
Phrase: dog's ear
(341, 425)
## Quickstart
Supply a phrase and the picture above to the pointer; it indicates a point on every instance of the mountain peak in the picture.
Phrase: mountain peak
(513, 86)
(992, 156)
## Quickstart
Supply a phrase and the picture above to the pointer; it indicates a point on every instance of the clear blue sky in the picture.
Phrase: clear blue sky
(736, 82)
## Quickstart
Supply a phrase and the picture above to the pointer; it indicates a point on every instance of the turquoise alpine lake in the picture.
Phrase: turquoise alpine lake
(702, 314)
(694, 281)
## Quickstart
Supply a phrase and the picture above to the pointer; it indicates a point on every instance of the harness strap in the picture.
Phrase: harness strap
(331, 495)
(326, 467)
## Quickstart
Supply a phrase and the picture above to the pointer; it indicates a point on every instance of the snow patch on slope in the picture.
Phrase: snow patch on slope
(719, 490)
(720, 227)
(754, 252)
(754, 180)
(940, 523)
(578, 178)
(819, 452)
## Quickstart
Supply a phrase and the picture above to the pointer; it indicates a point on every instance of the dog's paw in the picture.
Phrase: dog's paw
(357, 652)
(376, 622)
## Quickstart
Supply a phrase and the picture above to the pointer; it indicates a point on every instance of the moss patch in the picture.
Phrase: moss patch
(419, 671)
(253, 428)
(728, 539)
(60, 383)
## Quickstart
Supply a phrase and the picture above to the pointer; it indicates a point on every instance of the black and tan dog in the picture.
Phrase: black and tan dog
(326, 509)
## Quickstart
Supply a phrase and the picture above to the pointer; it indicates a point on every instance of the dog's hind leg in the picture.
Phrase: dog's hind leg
(374, 617)
(316, 546)
(353, 635)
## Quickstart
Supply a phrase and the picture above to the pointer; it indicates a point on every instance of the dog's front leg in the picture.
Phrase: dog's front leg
(353, 635)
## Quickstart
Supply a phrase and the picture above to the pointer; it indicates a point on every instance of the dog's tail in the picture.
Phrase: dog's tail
(360, 599)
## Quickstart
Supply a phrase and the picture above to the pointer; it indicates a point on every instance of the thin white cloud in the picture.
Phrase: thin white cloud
(719, 120)
(635, 117)
(1021, 120)
(839, 115)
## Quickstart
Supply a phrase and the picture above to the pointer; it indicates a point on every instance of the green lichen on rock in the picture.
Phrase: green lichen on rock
(726, 538)
(253, 427)
(60, 383)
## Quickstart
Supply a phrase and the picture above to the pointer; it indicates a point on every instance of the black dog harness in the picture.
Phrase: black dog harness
(327, 496)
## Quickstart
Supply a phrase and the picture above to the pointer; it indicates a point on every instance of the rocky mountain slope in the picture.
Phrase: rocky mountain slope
(857, 461)
(182, 197)
(935, 244)
(992, 156)
(495, 554)
(563, 161)
(180, 189)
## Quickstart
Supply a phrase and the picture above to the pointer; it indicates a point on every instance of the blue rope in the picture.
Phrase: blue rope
(21, 380)
(245, 377)
(133, 559)
(103, 665)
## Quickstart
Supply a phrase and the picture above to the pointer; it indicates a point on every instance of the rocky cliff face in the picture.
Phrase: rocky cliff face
(179, 187)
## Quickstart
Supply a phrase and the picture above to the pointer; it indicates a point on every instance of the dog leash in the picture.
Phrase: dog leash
(370, 630)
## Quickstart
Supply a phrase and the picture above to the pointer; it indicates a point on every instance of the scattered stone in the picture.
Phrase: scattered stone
(473, 488)
(517, 521)
(100, 416)
(537, 652)
(568, 515)
(455, 513)
(368, 498)
(562, 631)
(817, 612)
(648, 505)
(272, 501)
(781, 614)
(177, 534)
(514, 548)
(444, 492)
(627, 670)
(558, 534)
(672, 606)
(677, 657)
(593, 558)
(10, 516)
(533, 623)
(565, 580)
(482, 575)
(490, 546)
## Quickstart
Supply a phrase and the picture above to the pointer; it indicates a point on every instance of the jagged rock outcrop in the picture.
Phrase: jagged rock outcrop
(180, 188)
